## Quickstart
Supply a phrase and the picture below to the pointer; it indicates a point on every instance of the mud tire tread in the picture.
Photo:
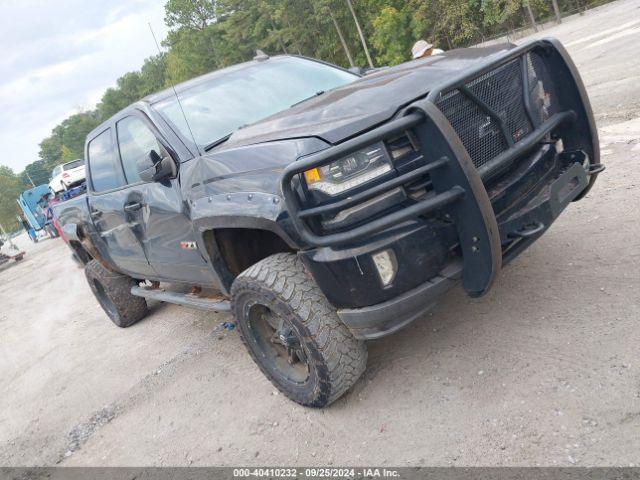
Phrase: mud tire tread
(129, 309)
(340, 359)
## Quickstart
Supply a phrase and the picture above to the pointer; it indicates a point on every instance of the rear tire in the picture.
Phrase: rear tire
(294, 334)
(113, 292)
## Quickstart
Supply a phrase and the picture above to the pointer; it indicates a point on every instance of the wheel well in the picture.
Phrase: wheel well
(239, 248)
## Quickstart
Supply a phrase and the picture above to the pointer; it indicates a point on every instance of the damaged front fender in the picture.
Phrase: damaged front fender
(260, 211)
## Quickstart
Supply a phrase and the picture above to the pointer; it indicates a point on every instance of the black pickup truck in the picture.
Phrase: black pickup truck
(324, 208)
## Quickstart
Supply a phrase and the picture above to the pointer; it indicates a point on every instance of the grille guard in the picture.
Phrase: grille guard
(457, 183)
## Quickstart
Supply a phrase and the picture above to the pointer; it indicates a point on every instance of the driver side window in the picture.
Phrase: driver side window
(135, 141)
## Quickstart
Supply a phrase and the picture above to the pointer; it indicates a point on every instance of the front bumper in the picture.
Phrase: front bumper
(517, 233)
(493, 209)
(385, 318)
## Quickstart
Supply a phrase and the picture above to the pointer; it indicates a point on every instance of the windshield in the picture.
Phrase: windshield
(74, 164)
(219, 106)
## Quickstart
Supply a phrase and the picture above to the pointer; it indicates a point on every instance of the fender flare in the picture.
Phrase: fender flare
(70, 232)
(216, 222)
(253, 210)
(250, 223)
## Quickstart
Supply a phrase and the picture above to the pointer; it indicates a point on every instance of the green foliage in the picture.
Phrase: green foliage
(497, 12)
(153, 74)
(51, 151)
(66, 141)
(191, 54)
(391, 36)
(35, 172)
(10, 187)
(192, 14)
(133, 86)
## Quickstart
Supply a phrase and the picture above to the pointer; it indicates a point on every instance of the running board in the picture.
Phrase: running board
(184, 299)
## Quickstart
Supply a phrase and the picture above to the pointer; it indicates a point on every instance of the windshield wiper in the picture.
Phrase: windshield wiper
(220, 141)
(317, 94)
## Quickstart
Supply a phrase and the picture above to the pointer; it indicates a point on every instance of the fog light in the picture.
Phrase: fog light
(385, 262)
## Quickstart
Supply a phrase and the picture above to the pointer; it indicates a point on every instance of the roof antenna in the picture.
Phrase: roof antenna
(173, 87)
(260, 56)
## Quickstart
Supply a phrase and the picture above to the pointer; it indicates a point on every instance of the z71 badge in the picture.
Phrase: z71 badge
(188, 245)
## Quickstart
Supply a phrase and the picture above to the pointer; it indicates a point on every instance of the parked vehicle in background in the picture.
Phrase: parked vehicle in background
(13, 253)
(66, 176)
(327, 207)
(33, 203)
(53, 226)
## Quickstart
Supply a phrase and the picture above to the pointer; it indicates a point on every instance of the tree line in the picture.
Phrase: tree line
(205, 35)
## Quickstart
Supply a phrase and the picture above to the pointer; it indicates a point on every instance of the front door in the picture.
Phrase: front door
(165, 227)
(110, 208)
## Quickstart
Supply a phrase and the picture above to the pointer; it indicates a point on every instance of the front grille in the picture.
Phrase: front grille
(541, 89)
(501, 90)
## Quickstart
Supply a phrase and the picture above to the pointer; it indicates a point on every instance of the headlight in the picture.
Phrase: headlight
(350, 171)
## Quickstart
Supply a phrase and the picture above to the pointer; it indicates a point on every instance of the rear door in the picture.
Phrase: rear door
(165, 225)
(113, 207)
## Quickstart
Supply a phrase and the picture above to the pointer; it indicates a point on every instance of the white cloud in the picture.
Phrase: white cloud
(58, 57)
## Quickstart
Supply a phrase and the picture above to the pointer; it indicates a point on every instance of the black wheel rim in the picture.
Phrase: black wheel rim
(278, 344)
(104, 300)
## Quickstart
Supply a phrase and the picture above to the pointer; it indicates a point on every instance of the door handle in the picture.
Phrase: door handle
(132, 207)
(96, 214)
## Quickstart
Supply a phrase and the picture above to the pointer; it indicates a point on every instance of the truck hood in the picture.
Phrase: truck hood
(346, 111)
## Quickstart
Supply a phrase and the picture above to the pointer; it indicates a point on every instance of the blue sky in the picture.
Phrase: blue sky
(58, 57)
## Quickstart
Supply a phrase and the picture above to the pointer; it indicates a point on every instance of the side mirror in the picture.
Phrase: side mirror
(154, 168)
(358, 71)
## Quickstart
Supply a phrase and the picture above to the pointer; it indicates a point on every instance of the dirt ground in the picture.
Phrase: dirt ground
(542, 371)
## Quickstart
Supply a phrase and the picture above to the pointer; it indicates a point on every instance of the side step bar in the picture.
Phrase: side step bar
(184, 299)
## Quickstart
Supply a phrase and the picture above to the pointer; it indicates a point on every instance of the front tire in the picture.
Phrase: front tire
(294, 334)
(113, 292)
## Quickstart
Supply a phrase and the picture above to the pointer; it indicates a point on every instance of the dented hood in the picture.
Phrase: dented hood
(346, 111)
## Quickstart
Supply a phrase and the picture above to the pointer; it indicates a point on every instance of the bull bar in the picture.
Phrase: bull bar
(459, 189)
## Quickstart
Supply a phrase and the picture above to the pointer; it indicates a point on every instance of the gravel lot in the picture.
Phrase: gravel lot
(542, 371)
